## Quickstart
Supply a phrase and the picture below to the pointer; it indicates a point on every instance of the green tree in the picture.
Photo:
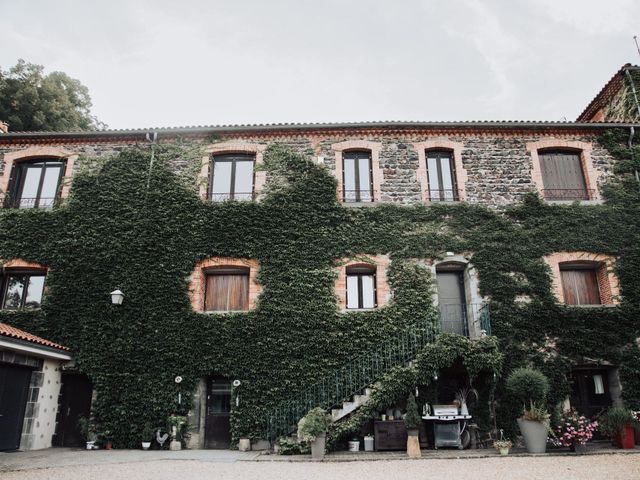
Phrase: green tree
(33, 101)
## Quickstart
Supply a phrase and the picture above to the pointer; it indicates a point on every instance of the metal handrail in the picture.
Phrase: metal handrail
(568, 193)
(236, 196)
(363, 195)
(356, 376)
(443, 195)
(28, 203)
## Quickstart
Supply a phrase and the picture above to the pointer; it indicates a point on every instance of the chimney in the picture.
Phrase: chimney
(4, 127)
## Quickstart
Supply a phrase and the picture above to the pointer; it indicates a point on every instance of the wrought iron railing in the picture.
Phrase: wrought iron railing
(356, 376)
(41, 202)
(357, 196)
(450, 195)
(468, 319)
(567, 193)
(236, 196)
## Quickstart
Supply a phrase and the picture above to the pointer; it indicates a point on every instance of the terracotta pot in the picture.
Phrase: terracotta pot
(626, 439)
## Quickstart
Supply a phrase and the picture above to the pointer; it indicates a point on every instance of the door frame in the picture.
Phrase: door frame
(208, 426)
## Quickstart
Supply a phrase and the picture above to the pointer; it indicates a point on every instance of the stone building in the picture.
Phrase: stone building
(495, 164)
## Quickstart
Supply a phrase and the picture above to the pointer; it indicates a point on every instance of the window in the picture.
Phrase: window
(361, 287)
(227, 289)
(36, 184)
(580, 284)
(441, 176)
(562, 175)
(22, 289)
(358, 177)
(232, 177)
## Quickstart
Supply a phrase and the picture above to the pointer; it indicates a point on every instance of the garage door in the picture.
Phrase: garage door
(14, 388)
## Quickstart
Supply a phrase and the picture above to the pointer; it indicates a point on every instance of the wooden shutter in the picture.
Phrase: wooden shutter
(580, 287)
(227, 292)
(562, 176)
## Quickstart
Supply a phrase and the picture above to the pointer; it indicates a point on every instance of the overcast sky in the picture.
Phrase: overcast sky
(189, 62)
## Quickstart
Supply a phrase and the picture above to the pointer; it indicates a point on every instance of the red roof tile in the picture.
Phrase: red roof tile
(12, 332)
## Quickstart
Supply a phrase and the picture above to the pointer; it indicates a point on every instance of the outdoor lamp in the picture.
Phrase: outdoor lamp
(117, 297)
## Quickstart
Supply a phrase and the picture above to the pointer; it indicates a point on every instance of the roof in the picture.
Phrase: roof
(603, 97)
(12, 332)
(140, 133)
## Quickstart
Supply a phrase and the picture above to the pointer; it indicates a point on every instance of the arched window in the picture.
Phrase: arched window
(361, 287)
(441, 176)
(357, 174)
(232, 177)
(226, 289)
(36, 183)
(563, 175)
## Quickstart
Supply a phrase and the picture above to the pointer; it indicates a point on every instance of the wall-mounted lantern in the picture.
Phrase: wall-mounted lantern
(117, 297)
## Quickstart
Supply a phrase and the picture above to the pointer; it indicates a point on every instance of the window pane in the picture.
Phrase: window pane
(447, 178)
(30, 187)
(349, 180)
(221, 187)
(49, 187)
(434, 185)
(352, 291)
(364, 166)
(244, 180)
(14, 292)
(34, 292)
(368, 291)
(598, 384)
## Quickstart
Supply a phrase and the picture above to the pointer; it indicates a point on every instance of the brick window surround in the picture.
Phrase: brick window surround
(19, 264)
(374, 148)
(460, 172)
(237, 146)
(591, 174)
(608, 284)
(33, 153)
(199, 279)
(381, 264)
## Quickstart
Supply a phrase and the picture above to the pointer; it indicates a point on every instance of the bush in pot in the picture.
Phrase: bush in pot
(313, 428)
(412, 421)
(530, 387)
(574, 430)
(148, 432)
(618, 423)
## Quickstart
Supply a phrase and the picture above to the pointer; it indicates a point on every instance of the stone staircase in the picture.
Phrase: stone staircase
(350, 407)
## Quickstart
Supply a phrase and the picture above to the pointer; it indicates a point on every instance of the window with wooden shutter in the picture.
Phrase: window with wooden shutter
(227, 290)
(562, 176)
(580, 284)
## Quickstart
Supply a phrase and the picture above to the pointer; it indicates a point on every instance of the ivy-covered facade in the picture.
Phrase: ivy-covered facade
(279, 255)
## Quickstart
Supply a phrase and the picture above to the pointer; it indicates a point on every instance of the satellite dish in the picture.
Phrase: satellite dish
(236, 383)
(178, 379)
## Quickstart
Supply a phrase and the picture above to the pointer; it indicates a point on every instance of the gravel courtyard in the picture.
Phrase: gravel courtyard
(609, 467)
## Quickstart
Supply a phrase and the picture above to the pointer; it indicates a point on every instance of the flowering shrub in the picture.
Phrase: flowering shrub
(574, 429)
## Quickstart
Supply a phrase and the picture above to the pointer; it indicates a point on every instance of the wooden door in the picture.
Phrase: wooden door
(75, 402)
(14, 389)
(590, 391)
(218, 421)
(451, 302)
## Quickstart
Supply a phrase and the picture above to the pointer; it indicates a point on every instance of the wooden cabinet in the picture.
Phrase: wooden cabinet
(392, 435)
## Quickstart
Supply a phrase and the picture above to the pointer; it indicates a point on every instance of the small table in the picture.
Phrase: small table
(448, 429)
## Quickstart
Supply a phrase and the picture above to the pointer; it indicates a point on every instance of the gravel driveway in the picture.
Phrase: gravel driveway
(609, 467)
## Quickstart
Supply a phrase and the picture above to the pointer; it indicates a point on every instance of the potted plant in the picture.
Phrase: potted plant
(618, 423)
(88, 432)
(574, 431)
(313, 428)
(147, 436)
(354, 444)
(530, 387)
(462, 396)
(412, 420)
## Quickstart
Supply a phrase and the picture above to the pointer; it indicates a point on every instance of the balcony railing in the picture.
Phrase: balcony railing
(567, 193)
(358, 196)
(450, 195)
(236, 196)
(24, 203)
(468, 319)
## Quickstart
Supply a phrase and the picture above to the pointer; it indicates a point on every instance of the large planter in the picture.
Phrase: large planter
(146, 445)
(626, 439)
(413, 443)
(318, 447)
(580, 448)
(535, 435)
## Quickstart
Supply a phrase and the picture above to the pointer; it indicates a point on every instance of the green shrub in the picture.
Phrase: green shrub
(313, 424)
(412, 419)
(614, 420)
(528, 386)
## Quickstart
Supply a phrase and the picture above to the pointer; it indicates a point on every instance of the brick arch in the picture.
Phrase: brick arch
(591, 174)
(16, 263)
(441, 144)
(198, 279)
(608, 283)
(379, 262)
(232, 146)
(354, 145)
(31, 153)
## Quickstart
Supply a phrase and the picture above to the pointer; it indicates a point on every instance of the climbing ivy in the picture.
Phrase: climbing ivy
(143, 230)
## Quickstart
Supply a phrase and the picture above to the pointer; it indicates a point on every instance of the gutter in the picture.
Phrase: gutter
(34, 349)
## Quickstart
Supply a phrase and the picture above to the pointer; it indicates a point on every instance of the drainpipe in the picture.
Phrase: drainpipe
(152, 138)
(631, 129)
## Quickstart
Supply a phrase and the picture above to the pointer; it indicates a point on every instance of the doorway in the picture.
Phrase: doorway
(591, 392)
(75, 402)
(218, 419)
(451, 299)
(14, 390)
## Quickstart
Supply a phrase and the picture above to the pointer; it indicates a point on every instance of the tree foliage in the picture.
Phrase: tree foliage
(31, 100)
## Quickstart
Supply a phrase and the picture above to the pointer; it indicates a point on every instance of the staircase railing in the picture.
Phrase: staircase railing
(355, 377)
